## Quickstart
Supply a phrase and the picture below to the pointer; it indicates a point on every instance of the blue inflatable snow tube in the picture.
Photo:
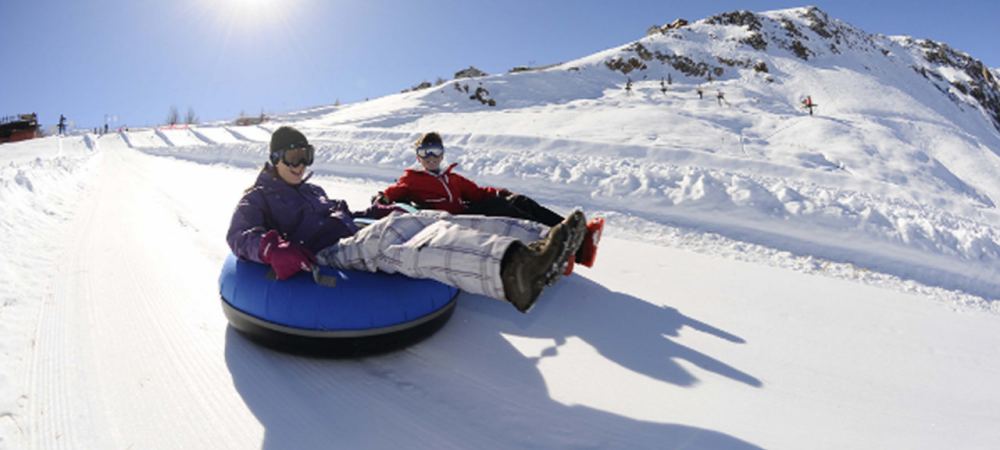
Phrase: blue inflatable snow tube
(365, 313)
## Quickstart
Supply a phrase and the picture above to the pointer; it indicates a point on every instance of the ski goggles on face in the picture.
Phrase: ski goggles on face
(426, 152)
(298, 156)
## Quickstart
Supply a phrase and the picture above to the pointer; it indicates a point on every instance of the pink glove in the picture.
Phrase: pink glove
(286, 258)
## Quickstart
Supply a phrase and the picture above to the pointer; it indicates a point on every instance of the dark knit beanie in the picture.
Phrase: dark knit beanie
(285, 138)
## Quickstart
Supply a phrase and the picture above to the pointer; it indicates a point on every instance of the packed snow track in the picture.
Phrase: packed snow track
(655, 347)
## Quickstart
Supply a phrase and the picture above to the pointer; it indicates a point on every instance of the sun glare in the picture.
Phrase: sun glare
(248, 13)
(252, 3)
(248, 25)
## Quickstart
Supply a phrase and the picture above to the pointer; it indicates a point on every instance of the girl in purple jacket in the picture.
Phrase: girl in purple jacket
(290, 224)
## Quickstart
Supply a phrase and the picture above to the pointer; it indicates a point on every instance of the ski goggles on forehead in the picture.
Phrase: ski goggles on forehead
(425, 152)
(298, 156)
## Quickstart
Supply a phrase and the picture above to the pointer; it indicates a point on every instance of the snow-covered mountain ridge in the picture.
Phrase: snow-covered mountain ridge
(809, 33)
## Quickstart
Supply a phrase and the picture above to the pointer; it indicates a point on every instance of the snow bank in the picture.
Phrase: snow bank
(144, 138)
(215, 135)
(36, 197)
(252, 133)
(178, 137)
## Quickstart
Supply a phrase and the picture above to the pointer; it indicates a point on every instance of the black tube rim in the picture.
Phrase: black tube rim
(338, 343)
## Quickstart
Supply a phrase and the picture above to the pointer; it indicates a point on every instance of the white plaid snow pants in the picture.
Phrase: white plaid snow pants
(461, 251)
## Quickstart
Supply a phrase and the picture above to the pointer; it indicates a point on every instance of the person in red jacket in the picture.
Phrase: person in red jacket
(808, 104)
(435, 188)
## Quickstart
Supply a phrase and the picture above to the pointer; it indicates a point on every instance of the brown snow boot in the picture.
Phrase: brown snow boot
(526, 270)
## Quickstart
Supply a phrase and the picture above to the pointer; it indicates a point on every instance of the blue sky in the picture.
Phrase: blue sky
(134, 59)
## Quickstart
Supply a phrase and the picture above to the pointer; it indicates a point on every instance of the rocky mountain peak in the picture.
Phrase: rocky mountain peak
(743, 40)
(957, 74)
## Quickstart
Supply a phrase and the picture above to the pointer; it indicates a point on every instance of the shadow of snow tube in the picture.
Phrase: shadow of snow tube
(366, 313)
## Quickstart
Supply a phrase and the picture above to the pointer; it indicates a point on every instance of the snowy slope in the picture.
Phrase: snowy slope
(250, 133)
(144, 138)
(769, 279)
(180, 137)
(895, 174)
(215, 135)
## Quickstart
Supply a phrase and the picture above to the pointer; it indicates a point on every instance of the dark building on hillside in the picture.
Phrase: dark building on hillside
(18, 128)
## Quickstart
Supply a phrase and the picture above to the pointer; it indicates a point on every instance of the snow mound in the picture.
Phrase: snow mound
(179, 137)
(252, 133)
(145, 138)
(215, 135)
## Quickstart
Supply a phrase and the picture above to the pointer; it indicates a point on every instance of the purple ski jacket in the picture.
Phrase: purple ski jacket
(300, 213)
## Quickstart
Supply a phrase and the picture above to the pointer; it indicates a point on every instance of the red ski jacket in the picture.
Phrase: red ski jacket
(445, 191)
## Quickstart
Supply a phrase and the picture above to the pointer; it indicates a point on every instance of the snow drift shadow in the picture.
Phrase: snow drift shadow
(468, 387)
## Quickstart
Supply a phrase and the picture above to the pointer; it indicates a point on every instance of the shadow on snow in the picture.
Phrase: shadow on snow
(468, 387)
